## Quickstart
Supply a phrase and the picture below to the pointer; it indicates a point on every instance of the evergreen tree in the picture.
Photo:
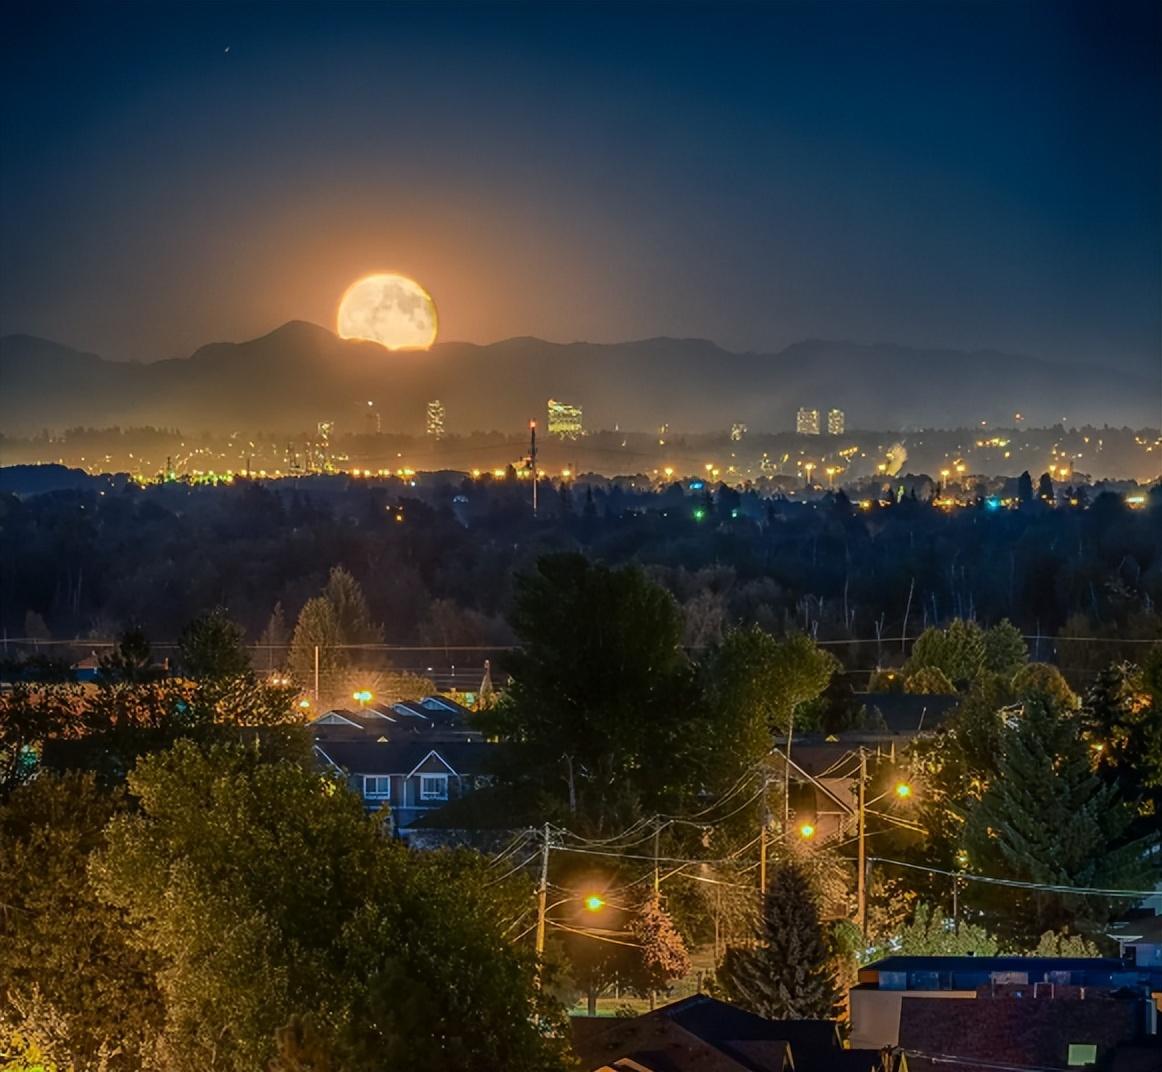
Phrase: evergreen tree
(1123, 722)
(1046, 818)
(1045, 489)
(318, 628)
(352, 616)
(211, 648)
(1025, 488)
(788, 974)
(1005, 651)
(131, 659)
(958, 650)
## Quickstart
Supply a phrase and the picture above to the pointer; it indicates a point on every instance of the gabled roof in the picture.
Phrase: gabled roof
(701, 1032)
(717, 1021)
(369, 756)
(370, 720)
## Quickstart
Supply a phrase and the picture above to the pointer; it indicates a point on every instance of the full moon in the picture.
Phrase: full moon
(391, 310)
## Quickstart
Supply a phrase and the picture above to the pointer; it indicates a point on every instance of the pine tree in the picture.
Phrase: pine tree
(1123, 722)
(1046, 818)
(317, 628)
(789, 974)
(212, 647)
(958, 650)
(1005, 651)
(350, 606)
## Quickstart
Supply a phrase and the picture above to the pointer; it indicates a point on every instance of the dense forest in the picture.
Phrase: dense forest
(437, 563)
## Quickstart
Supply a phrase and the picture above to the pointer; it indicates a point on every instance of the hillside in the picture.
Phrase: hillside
(301, 373)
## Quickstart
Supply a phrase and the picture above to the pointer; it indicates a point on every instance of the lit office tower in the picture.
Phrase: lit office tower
(564, 419)
(435, 425)
(807, 421)
(737, 431)
(835, 422)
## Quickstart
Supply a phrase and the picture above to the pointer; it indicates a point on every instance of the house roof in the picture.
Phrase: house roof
(402, 757)
(700, 1024)
(651, 1043)
(1137, 927)
(1032, 965)
(434, 717)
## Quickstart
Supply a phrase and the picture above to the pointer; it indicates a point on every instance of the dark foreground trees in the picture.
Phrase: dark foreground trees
(250, 912)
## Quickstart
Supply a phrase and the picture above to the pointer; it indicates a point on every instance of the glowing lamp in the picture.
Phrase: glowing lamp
(594, 903)
(806, 831)
(903, 790)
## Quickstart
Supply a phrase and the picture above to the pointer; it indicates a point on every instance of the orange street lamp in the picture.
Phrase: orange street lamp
(806, 831)
(594, 903)
(363, 696)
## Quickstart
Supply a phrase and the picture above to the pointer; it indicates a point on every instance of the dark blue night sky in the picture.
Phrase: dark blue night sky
(967, 175)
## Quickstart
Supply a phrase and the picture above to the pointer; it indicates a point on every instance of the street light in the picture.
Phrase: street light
(594, 903)
(806, 831)
(903, 790)
(363, 696)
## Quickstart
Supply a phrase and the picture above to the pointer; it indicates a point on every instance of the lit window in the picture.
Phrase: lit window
(433, 787)
(1082, 1053)
(377, 785)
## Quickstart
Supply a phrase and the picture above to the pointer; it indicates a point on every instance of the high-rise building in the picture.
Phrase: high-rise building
(435, 423)
(835, 422)
(564, 420)
(737, 431)
(807, 421)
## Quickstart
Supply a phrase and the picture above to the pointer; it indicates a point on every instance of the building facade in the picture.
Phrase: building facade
(435, 419)
(836, 422)
(565, 420)
(807, 421)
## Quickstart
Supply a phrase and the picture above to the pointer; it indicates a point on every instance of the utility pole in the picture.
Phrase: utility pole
(787, 777)
(766, 823)
(542, 898)
(657, 876)
(861, 878)
(533, 461)
(316, 675)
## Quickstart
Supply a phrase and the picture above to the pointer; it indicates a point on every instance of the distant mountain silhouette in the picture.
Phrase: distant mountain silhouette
(301, 373)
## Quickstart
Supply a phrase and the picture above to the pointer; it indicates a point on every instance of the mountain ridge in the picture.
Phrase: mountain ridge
(300, 373)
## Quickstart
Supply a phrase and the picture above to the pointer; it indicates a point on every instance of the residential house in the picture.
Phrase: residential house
(412, 777)
(981, 1013)
(704, 1034)
(821, 771)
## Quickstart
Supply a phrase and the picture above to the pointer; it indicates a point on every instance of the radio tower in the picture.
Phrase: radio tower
(533, 461)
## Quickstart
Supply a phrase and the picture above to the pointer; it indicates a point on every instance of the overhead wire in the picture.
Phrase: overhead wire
(990, 880)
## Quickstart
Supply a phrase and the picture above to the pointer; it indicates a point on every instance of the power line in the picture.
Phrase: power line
(992, 881)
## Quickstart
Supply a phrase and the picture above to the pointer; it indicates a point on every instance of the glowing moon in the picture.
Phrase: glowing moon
(391, 310)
